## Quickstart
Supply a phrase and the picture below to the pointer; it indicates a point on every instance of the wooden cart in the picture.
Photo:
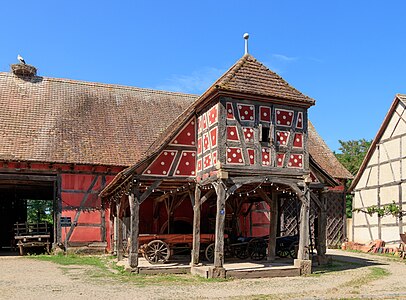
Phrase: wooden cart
(158, 248)
(30, 235)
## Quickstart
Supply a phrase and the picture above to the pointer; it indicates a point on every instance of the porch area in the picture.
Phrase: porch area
(233, 268)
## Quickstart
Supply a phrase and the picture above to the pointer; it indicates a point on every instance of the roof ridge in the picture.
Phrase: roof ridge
(101, 84)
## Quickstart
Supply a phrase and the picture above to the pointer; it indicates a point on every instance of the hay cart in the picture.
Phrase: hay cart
(158, 248)
(32, 235)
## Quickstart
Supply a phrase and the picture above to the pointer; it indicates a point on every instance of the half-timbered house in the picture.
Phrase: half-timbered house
(381, 180)
(243, 142)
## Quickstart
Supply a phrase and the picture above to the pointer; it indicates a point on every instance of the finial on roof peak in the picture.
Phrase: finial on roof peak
(246, 37)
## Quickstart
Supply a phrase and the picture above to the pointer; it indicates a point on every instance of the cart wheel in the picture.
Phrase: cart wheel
(240, 251)
(292, 250)
(209, 252)
(157, 252)
(256, 248)
(282, 253)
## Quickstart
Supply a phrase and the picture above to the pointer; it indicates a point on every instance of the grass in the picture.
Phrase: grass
(375, 273)
(106, 268)
(335, 266)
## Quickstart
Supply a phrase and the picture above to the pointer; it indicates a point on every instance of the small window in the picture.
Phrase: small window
(264, 134)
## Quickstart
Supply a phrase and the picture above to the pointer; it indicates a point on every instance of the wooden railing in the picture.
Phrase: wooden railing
(29, 229)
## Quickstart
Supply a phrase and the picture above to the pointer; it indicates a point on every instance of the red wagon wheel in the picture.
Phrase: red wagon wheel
(157, 252)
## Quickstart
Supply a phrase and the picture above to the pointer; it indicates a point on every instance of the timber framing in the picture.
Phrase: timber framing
(229, 185)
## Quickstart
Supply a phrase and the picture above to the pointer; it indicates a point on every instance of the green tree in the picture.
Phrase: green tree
(39, 211)
(351, 157)
(353, 153)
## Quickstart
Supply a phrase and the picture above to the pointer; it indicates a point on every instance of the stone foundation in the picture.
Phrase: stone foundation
(217, 272)
(305, 266)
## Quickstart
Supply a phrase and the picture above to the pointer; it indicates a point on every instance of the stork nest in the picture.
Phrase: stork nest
(23, 70)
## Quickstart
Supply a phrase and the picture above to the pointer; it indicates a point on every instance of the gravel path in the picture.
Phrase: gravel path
(22, 278)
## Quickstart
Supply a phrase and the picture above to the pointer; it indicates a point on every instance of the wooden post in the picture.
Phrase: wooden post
(303, 253)
(273, 226)
(115, 235)
(322, 225)
(273, 221)
(134, 226)
(196, 227)
(220, 218)
(119, 233)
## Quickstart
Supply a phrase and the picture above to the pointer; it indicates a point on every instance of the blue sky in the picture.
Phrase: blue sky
(349, 56)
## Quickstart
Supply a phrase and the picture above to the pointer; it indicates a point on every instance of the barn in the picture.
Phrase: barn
(63, 141)
(381, 180)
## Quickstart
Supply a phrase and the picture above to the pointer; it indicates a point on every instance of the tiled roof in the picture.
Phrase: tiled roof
(324, 157)
(67, 121)
(249, 76)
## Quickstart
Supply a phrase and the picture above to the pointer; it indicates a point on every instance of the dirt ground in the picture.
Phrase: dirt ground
(24, 278)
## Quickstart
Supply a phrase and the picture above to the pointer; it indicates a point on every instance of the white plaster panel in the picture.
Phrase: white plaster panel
(390, 220)
(400, 109)
(400, 128)
(365, 235)
(391, 126)
(374, 158)
(386, 173)
(365, 198)
(390, 150)
(363, 179)
(403, 192)
(389, 194)
(403, 145)
(403, 168)
(390, 235)
(373, 177)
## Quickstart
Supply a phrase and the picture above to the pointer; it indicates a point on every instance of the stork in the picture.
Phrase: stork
(21, 59)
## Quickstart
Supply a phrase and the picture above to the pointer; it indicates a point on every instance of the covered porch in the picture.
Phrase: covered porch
(218, 208)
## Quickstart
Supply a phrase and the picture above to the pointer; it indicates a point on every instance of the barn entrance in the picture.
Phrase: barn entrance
(24, 199)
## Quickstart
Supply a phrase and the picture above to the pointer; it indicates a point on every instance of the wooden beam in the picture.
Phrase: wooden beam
(220, 218)
(149, 190)
(134, 200)
(196, 227)
(316, 200)
(206, 196)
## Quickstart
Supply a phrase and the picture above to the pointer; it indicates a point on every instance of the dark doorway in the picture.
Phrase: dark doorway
(24, 198)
